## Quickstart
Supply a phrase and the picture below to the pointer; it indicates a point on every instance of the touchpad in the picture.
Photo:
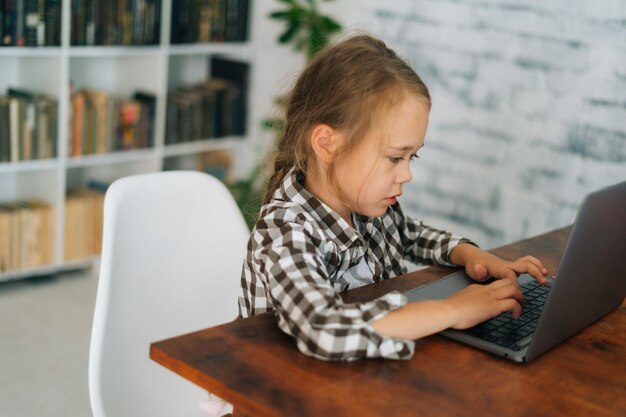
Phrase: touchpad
(442, 288)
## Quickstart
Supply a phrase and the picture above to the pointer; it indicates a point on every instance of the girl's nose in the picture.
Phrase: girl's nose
(405, 174)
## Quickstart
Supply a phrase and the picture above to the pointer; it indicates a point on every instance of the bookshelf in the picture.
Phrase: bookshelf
(59, 71)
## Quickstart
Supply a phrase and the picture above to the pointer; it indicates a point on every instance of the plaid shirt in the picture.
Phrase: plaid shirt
(297, 255)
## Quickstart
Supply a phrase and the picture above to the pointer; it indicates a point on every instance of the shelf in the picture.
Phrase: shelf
(113, 51)
(111, 158)
(30, 51)
(239, 49)
(47, 270)
(115, 72)
(29, 166)
(189, 148)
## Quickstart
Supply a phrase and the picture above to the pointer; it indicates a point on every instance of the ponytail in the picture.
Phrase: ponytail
(283, 162)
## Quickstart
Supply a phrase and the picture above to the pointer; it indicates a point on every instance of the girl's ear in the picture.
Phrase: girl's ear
(324, 142)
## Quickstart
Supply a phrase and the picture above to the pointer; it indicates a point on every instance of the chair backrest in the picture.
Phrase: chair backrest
(172, 253)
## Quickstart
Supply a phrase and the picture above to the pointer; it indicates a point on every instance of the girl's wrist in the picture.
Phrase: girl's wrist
(461, 252)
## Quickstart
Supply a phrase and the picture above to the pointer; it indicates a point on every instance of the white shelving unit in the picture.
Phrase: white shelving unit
(120, 71)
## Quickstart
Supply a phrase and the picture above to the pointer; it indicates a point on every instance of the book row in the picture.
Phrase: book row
(122, 22)
(214, 108)
(83, 223)
(115, 22)
(27, 231)
(28, 126)
(26, 235)
(101, 123)
(198, 21)
(30, 22)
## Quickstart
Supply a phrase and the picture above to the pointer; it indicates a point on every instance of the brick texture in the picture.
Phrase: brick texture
(529, 109)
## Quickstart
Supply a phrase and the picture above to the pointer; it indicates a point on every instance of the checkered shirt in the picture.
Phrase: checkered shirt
(297, 255)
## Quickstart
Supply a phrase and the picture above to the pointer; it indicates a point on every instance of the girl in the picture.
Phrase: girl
(331, 220)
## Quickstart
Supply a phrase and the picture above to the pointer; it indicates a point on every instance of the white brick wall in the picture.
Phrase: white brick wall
(529, 108)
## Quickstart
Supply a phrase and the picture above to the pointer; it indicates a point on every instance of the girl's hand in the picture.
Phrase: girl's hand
(481, 265)
(477, 303)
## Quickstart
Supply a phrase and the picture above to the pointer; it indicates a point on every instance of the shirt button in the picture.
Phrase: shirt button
(399, 346)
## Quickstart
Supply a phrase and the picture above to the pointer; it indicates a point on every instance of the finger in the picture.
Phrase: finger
(503, 272)
(504, 289)
(535, 262)
(534, 271)
(531, 268)
(480, 272)
(513, 306)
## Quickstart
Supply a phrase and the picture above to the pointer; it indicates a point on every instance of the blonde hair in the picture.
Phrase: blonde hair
(347, 87)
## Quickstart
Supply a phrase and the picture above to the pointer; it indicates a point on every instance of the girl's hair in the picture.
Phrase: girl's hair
(347, 86)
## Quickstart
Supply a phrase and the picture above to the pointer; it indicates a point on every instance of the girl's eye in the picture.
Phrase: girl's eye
(396, 159)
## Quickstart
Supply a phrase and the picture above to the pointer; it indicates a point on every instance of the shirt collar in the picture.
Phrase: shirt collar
(292, 189)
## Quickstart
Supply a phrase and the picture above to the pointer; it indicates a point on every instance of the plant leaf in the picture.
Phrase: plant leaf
(316, 41)
(280, 14)
(329, 24)
(291, 31)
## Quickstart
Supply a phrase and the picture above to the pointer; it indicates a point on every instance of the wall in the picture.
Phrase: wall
(275, 67)
(529, 107)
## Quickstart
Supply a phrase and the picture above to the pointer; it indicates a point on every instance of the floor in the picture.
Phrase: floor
(45, 327)
(44, 342)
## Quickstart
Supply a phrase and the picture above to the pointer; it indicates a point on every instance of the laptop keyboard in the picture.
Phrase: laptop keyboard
(515, 334)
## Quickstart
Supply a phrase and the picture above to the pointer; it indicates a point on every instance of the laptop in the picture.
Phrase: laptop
(590, 282)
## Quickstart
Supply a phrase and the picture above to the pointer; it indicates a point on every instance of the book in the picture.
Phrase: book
(34, 22)
(26, 234)
(97, 115)
(236, 100)
(52, 25)
(216, 163)
(115, 22)
(102, 123)
(20, 30)
(37, 124)
(5, 129)
(16, 107)
(47, 114)
(1, 23)
(148, 116)
(71, 227)
(77, 124)
(30, 230)
(5, 238)
(212, 109)
(236, 27)
(83, 223)
(25, 125)
(45, 212)
(201, 21)
(128, 116)
(9, 16)
(13, 260)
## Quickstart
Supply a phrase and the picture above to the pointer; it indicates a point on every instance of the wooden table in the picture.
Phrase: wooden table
(253, 365)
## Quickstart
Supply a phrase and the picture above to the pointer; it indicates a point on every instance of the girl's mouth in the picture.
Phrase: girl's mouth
(392, 200)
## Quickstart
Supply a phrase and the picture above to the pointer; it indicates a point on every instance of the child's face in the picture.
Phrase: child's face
(371, 178)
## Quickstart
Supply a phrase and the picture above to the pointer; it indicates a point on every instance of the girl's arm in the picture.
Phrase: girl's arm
(285, 255)
(462, 310)
(471, 306)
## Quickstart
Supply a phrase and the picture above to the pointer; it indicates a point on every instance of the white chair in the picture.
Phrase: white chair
(172, 253)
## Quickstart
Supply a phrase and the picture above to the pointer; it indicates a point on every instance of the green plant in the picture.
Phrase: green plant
(309, 31)
(307, 28)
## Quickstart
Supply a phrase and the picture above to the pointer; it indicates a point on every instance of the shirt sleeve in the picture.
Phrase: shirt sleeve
(424, 244)
(308, 307)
